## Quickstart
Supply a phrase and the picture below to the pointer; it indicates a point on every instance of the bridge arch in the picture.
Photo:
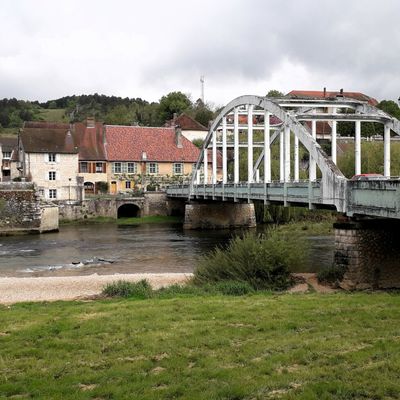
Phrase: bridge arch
(332, 178)
(128, 210)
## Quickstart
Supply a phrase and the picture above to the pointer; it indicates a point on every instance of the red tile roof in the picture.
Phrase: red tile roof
(126, 143)
(321, 94)
(323, 127)
(186, 123)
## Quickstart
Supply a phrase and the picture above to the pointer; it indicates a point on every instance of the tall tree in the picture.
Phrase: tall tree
(174, 102)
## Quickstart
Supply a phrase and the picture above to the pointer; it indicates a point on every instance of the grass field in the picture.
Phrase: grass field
(53, 115)
(263, 346)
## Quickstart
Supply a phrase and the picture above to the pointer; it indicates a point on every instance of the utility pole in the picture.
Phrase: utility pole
(202, 88)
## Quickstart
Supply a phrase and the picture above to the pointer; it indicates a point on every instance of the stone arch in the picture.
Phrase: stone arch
(128, 210)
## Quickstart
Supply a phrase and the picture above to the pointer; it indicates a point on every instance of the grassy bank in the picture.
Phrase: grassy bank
(155, 219)
(263, 346)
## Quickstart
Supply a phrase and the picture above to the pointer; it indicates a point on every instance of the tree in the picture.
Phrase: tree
(174, 102)
(390, 107)
(275, 93)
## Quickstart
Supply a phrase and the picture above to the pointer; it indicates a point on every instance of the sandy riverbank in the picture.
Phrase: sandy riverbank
(14, 290)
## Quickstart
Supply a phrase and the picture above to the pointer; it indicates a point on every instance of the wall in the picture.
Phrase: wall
(21, 210)
(153, 203)
(369, 254)
(66, 167)
(219, 215)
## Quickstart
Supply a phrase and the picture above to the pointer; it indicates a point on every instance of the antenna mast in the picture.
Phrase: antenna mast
(202, 87)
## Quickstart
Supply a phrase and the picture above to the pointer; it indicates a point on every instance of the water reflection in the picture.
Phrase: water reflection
(109, 248)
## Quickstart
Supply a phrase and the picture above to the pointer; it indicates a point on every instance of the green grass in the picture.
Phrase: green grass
(156, 219)
(53, 115)
(313, 346)
(152, 219)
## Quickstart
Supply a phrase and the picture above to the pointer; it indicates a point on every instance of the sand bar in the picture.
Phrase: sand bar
(14, 290)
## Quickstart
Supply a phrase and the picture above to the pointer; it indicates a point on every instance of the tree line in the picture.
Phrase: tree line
(109, 109)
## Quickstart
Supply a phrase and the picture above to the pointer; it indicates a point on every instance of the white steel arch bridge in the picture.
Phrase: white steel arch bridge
(248, 126)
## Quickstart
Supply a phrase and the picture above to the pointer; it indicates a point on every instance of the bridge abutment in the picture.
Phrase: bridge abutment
(219, 215)
(368, 252)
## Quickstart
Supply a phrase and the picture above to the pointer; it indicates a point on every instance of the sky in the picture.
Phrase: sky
(129, 48)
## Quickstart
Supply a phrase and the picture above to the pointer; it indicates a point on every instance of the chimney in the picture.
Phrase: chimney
(178, 136)
(90, 122)
(324, 91)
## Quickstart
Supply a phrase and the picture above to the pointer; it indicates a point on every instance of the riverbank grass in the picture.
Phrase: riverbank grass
(153, 219)
(258, 346)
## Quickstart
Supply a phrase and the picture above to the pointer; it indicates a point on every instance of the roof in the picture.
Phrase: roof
(186, 123)
(8, 143)
(323, 127)
(319, 94)
(89, 141)
(47, 137)
(127, 143)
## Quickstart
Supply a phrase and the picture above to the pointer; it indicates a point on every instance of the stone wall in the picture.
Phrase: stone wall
(21, 210)
(219, 215)
(369, 254)
(152, 203)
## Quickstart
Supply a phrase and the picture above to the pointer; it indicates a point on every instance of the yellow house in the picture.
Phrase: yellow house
(147, 158)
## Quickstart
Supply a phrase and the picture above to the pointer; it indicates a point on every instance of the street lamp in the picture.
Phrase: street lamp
(69, 190)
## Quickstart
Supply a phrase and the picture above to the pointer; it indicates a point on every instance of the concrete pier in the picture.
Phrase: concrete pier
(219, 215)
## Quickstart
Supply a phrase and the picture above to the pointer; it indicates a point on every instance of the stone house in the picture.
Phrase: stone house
(49, 157)
(9, 158)
(89, 137)
(144, 157)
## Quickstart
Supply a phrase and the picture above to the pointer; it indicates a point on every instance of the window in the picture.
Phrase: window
(52, 175)
(52, 157)
(152, 168)
(99, 167)
(41, 192)
(131, 168)
(116, 168)
(52, 193)
(83, 166)
(6, 154)
(127, 184)
(177, 168)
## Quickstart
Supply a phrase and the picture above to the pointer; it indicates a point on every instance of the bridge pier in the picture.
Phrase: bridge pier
(219, 215)
(368, 251)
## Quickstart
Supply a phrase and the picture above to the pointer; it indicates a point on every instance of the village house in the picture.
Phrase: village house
(144, 157)
(9, 158)
(49, 157)
(89, 137)
(190, 128)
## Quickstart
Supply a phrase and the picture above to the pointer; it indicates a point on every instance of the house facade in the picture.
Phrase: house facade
(9, 158)
(49, 157)
(147, 158)
(90, 138)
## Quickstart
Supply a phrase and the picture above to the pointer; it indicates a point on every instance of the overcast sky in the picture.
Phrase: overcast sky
(129, 48)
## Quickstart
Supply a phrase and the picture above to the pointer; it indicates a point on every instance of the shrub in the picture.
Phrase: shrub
(262, 261)
(102, 187)
(332, 274)
(140, 290)
(234, 288)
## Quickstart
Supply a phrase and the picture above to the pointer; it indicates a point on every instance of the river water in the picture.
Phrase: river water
(109, 249)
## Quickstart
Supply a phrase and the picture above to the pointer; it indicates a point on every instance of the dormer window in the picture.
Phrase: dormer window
(52, 157)
(6, 154)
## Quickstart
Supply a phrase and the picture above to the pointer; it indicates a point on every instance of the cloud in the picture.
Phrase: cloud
(146, 49)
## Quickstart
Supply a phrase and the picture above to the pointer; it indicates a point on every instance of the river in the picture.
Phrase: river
(110, 248)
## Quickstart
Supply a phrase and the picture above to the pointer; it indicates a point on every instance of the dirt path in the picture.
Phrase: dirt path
(14, 290)
(307, 281)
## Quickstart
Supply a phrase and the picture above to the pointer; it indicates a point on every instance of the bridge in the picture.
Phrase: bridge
(247, 129)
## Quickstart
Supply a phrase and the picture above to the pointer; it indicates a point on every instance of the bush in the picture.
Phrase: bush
(332, 274)
(102, 187)
(262, 261)
(140, 290)
(234, 288)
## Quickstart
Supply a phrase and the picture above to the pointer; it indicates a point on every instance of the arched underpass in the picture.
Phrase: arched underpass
(128, 211)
